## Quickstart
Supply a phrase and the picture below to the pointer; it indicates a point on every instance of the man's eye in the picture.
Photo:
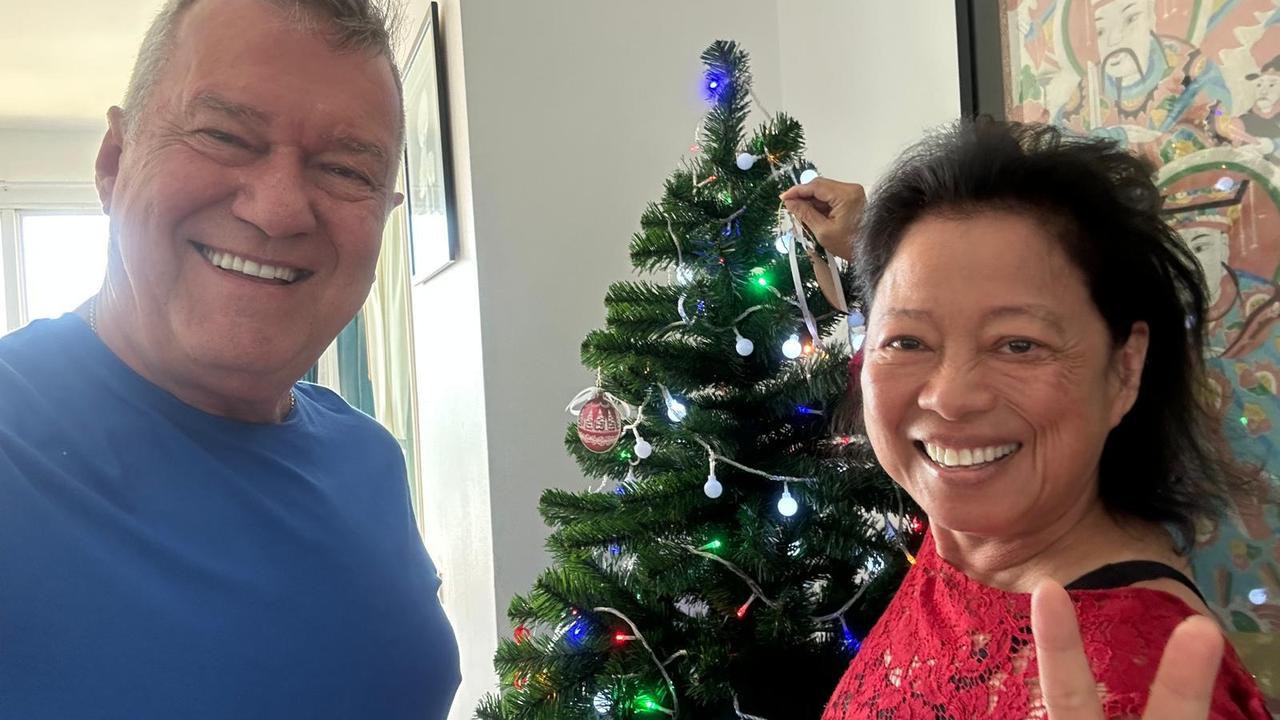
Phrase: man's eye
(223, 137)
(347, 173)
(905, 343)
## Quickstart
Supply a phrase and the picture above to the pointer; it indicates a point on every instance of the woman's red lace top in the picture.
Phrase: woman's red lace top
(950, 648)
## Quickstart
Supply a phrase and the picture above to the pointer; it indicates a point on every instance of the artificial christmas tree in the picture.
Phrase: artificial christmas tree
(734, 547)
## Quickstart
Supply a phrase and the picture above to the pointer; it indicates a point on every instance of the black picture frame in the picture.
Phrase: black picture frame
(980, 44)
(431, 223)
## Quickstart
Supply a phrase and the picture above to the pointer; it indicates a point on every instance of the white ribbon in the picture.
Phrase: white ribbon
(796, 234)
(676, 240)
(842, 303)
(587, 395)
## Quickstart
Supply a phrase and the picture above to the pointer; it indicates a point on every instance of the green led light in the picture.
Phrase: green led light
(646, 703)
(713, 545)
(764, 282)
(1244, 420)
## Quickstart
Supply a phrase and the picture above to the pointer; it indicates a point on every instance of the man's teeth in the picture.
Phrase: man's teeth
(235, 263)
(949, 457)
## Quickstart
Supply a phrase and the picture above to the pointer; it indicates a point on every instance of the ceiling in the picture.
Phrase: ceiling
(64, 62)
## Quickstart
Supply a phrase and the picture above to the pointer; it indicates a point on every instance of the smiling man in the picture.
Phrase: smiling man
(186, 531)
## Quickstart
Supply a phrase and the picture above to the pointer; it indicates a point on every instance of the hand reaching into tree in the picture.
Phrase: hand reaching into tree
(1183, 688)
(831, 210)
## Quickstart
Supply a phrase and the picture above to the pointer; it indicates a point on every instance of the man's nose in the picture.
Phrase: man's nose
(275, 196)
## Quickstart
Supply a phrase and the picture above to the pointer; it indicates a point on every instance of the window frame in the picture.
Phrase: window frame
(18, 199)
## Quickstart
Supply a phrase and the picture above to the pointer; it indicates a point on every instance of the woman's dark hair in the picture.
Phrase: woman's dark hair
(1164, 462)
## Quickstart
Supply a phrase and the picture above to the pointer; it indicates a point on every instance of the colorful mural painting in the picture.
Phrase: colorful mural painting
(1193, 85)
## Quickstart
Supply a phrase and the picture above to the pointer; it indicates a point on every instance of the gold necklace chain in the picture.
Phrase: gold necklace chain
(93, 325)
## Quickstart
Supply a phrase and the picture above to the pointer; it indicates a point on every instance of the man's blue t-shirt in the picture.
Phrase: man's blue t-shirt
(160, 562)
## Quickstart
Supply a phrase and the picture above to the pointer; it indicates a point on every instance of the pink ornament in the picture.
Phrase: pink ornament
(599, 425)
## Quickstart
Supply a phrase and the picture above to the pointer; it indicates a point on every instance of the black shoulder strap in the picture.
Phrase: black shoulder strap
(1123, 574)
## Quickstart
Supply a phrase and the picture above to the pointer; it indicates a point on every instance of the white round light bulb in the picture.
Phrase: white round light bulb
(676, 410)
(643, 448)
(602, 703)
(712, 487)
(791, 348)
(746, 161)
(808, 176)
(744, 346)
(787, 504)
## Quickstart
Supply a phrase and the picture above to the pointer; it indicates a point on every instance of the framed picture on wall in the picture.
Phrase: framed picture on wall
(429, 195)
(981, 44)
(1192, 86)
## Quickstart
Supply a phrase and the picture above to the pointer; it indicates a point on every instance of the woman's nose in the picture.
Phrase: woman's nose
(957, 390)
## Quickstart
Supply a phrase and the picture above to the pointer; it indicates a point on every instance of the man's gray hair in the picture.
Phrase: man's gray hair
(348, 25)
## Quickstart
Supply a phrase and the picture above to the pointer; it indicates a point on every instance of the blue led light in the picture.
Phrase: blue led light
(578, 632)
(851, 643)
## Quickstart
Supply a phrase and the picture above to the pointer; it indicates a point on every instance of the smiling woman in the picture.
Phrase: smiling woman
(1032, 376)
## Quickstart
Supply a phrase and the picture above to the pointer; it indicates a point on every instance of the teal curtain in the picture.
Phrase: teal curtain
(353, 367)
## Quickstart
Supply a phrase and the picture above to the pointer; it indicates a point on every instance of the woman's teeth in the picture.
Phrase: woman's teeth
(949, 457)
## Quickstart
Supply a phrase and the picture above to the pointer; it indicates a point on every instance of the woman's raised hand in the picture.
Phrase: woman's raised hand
(1183, 688)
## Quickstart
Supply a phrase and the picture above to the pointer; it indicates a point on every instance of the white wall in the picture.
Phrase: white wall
(56, 155)
(452, 429)
(579, 110)
(867, 77)
(568, 116)
(575, 112)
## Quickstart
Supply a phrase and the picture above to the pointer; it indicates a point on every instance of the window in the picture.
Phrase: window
(53, 252)
(61, 261)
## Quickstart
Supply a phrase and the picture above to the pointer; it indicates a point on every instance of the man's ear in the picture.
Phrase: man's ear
(107, 166)
(1130, 360)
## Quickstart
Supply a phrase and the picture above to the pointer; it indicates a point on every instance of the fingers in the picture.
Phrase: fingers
(1183, 689)
(826, 190)
(1066, 681)
(806, 213)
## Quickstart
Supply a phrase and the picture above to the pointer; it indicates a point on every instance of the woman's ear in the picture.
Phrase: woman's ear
(1129, 360)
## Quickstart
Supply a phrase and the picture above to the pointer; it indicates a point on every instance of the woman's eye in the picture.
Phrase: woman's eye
(1020, 347)
(906, 343)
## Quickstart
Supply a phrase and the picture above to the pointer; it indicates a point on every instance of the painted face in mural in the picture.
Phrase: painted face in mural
(1210, 246)
(1125, 29)
(1267, 88)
